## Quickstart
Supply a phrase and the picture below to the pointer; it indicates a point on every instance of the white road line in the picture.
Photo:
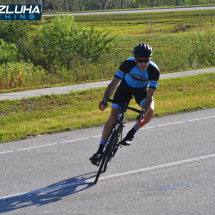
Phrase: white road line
(174, 123)
(78, 183)
(69, 141)
(51, 144)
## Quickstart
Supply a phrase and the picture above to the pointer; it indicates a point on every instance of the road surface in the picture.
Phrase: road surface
(169, 169)
(136, 11)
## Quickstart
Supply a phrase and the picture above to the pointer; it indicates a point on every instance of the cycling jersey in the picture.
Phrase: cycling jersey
(137, 79)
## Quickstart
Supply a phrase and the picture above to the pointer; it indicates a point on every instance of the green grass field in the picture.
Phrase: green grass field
(169, 33)
(149, 23)
(57, 113)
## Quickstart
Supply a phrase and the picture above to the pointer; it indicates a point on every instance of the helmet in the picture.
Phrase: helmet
(142, 51)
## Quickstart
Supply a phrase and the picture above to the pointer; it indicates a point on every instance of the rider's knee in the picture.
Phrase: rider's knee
(149, 115)
(147, 118)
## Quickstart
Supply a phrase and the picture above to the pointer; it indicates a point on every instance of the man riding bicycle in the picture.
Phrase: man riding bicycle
(139, 77)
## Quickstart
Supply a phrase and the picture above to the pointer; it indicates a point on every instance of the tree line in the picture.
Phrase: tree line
(86, 5)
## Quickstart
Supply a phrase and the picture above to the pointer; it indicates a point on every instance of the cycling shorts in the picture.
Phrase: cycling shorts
(124, 91)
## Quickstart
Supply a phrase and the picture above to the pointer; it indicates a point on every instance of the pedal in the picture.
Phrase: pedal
(124, 144)
(95, 163)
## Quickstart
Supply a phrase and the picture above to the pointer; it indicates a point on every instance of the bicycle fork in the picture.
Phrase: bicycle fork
(117, 138)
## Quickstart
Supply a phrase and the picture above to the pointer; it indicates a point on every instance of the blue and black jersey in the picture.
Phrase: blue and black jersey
(137, 79)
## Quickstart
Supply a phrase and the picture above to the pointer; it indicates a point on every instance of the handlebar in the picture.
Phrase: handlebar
(124, 105)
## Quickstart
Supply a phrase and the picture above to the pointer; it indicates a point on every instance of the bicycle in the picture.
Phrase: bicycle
(113, 140)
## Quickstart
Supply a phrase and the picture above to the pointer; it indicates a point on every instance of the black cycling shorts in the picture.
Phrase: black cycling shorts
(124, 91)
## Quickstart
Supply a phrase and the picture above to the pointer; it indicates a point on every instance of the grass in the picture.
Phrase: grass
(149, 23)
(57, 113)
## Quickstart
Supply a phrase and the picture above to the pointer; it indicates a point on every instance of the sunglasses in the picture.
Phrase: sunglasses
(143, 60)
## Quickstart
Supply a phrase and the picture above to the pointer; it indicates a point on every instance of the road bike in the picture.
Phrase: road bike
(115, 135)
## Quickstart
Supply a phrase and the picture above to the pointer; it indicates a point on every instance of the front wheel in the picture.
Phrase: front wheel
(110, 153)
(104, 156)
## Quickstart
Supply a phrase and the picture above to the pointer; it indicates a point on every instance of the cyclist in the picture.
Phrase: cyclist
(139, 77)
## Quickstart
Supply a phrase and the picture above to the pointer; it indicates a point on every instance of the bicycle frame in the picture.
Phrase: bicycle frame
(113, 142)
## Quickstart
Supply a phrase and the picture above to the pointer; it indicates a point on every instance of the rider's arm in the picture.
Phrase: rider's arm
(124, 68)
(150, 94)
(154, 75)
(111, 87)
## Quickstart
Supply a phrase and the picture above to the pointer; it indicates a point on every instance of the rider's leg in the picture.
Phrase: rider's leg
(130, 135)
(148, 117)
(121, 95)
(97, 156)
(114, 114)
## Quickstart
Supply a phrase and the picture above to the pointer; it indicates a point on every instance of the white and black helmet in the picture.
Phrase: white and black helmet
(142, 51)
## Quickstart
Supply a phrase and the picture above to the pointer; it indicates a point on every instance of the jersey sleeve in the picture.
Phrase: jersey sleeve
(124, 68)
(154, 75)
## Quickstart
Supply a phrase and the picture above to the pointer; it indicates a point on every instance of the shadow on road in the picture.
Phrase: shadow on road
(50, 194)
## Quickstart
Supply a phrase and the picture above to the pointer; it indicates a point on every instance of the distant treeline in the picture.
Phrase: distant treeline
(85, 5)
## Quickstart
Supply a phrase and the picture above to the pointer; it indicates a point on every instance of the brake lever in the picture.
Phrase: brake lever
(105, 101)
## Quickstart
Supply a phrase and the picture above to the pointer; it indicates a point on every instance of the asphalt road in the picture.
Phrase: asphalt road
(169, 169)
(137, 11)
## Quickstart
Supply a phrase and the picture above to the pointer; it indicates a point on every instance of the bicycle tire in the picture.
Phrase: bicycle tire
(107, 147)
(116, 144)
(112, 144)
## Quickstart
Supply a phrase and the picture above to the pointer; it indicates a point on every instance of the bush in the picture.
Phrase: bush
(14, 31)
(8, 52)
(14, 74)
(60, 43)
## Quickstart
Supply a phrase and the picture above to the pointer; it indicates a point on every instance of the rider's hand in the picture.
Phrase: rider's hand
(102, 106)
